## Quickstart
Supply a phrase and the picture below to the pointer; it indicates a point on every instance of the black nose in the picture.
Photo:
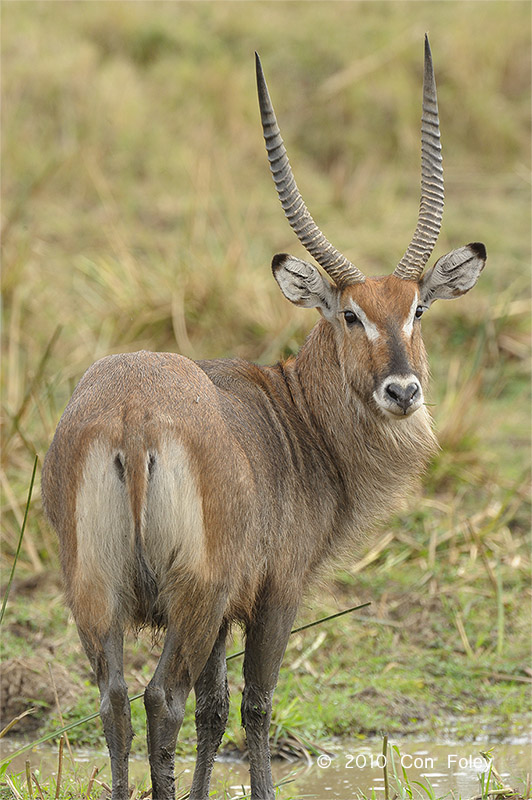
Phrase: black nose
(403, 396)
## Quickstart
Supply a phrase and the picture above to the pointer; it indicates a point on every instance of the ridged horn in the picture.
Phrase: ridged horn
(428, 226)
(333, 262)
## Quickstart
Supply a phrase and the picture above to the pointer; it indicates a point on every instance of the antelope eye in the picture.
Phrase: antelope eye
(351, 318)
(419, 312)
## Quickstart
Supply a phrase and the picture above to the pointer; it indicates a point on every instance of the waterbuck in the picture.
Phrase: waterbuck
(191, 495)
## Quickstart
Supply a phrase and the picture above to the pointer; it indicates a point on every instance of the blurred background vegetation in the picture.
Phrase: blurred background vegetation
(138, 212)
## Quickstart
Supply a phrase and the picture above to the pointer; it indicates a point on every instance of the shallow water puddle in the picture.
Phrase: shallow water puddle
(359, 769)
(348, 771)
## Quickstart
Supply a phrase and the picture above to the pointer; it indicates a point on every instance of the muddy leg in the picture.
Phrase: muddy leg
(212, 709)
(265, 645)
(106, 657)
(164, 699)
(187, 647)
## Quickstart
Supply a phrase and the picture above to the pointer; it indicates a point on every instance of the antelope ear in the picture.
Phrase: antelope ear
(304, 285)
(453, 274)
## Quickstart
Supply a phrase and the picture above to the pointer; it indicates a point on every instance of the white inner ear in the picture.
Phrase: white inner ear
(304, 285)
(453, 274)
(372, 332)
(408, 327)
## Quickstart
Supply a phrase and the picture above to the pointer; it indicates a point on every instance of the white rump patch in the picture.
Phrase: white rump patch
(104, 524)
(173, 515)
(171, 525)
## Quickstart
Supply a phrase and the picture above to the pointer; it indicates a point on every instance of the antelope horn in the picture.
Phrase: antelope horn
(333, 262)
(428, 226)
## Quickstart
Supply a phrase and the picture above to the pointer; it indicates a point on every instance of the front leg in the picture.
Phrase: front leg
(266, 639)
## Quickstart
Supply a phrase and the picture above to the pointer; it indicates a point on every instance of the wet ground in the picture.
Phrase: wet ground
(348, 770)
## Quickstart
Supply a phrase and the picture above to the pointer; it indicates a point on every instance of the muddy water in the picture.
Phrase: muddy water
(348, 771)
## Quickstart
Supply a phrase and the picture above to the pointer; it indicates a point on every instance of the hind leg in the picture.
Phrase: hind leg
(106, 657)
(189, 641)
(212, 709)
(164, 700)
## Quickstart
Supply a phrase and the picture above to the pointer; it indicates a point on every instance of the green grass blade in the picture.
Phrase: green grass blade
(39, 372)
(500, 612)
(19, 545)
(428, 789)
(385, 767)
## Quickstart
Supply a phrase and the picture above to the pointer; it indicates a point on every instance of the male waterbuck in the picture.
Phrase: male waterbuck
(191, 495)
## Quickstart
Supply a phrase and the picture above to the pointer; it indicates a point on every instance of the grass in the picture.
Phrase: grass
(138, 213)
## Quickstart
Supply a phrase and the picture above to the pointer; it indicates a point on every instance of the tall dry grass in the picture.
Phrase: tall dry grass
(138, 211)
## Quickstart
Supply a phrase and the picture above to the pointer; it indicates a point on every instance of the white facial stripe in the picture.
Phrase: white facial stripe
(408, 327)
(372, 332)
